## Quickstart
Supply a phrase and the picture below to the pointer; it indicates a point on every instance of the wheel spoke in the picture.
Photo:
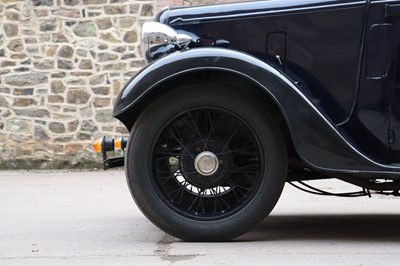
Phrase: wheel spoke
(212, 127)
(243, 172)
(180, 192)
(193, 124)
(194, 201)
(165, 179)
(201, 202)
(180, 142)
(220, 199)
(175, 191)
(230, 140)
(200, 198)
(241, 150)
(171, 154)
(239, 186)
(235, 194)
(242, 169)
(234, 184)
(232, 135)
(181, 197)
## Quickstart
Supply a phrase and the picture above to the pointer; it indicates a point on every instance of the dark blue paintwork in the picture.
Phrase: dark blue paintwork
(312, 133)
(338, 87)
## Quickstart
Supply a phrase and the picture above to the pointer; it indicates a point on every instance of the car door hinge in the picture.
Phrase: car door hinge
(391, 137)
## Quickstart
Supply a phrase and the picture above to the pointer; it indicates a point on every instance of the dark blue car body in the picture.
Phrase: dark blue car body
(338, 60)
(326, 75)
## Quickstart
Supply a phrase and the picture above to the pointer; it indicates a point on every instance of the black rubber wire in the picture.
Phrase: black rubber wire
(316, 191)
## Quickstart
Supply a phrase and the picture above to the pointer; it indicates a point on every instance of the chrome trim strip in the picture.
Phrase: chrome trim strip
(384, 1)
(353, 4)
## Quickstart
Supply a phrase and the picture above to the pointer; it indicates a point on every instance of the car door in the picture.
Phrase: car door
(392, 16)
(372, 125)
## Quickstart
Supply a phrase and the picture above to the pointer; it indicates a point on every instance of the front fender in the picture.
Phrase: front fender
(317, 141)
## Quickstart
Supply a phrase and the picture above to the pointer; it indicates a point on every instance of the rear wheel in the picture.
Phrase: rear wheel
(204, 163)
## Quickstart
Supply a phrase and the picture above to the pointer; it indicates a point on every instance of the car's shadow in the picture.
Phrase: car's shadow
(365, 227)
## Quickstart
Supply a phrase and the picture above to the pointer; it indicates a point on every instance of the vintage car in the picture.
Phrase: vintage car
(238, 99)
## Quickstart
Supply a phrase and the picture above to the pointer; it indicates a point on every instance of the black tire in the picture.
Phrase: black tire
(244, 147)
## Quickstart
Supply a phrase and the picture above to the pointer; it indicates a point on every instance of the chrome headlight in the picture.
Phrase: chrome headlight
(159, 39)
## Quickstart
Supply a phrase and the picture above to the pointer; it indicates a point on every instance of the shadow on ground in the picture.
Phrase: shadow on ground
(384, 227)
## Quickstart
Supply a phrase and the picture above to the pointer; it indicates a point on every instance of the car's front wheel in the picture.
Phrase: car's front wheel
(205, 163)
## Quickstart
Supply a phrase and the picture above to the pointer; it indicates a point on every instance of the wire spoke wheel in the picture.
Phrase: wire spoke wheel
(207, 163)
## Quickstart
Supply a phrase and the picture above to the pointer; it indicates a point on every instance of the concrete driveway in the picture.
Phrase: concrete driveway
(89, 218)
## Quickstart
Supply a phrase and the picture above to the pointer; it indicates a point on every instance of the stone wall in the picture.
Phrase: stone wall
(63, 62)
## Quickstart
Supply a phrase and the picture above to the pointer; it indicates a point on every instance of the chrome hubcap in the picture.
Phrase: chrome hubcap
(206, 163)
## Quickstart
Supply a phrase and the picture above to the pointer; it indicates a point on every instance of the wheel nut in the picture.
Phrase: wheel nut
(198, 150)
(221, 162)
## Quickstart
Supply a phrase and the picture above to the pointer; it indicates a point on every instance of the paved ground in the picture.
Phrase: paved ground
(89, 218)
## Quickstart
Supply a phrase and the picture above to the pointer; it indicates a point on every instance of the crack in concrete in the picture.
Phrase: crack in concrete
(163, 248)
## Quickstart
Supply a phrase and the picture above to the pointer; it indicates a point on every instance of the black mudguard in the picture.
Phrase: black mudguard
(317, 141)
